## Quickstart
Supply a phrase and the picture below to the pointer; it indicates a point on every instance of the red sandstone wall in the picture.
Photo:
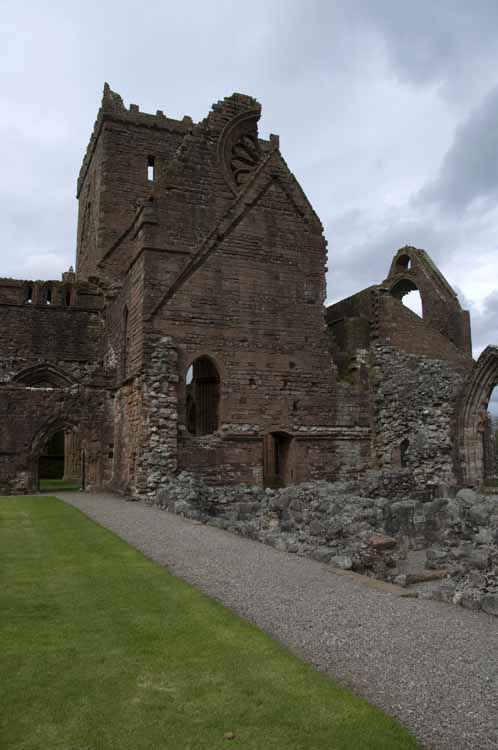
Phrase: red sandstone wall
(401, 328)
(30, 334)
(255, 306)
(114, 177)
(30, 415)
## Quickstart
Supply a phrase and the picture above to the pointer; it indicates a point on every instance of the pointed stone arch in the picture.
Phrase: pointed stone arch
(472, 417)
(203, 396)
(43, 376)
(54, 425)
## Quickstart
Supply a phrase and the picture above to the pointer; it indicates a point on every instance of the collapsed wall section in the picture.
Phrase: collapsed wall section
(414, 406)
(145, 419)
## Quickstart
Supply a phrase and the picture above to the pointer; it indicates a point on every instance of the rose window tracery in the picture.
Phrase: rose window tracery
(246, 154)
(239, 152)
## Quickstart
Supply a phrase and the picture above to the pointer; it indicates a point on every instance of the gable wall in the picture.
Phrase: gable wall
(256, 305)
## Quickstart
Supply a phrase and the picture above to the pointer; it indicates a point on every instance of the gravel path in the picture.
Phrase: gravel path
(433, 666)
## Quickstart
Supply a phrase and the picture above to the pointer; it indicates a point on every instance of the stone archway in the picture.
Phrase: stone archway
(72, 436)
(472, 421)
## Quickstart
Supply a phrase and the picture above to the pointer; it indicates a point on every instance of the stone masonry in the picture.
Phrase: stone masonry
(379, 526)
(193, 334)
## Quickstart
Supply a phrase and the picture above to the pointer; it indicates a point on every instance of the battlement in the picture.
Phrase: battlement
(111, 109)
(50, 293)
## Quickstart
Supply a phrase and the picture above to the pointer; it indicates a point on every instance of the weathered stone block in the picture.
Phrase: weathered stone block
(489, 603)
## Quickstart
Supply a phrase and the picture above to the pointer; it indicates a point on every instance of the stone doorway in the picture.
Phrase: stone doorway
(277, 459)
(56, 454)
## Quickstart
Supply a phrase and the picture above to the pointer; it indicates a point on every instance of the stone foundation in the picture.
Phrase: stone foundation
(411, 539)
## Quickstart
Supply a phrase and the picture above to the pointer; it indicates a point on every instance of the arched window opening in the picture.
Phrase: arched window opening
(493, 405)
(202, 399)
(413, 301)
(67, 297)
(29, 295)
(403, 263)
(407, 293)
(403, 451)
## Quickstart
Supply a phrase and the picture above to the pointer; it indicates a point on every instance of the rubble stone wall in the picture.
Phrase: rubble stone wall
(416, 538)
(414, 400)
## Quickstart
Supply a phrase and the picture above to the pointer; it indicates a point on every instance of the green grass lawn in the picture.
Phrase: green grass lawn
(58, 485)
(102, 649)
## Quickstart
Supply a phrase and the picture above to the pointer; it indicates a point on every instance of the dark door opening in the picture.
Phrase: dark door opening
(51, 461)
(277, 469)
(60, 460)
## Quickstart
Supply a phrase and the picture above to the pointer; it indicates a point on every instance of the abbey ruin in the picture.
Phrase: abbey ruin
(193, 334)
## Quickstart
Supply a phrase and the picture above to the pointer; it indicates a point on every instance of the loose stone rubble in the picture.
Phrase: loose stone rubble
(437, 536)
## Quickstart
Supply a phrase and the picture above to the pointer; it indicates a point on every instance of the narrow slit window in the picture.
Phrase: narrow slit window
(151, 168)
(48, 298)
(29, 295)
(68, 298)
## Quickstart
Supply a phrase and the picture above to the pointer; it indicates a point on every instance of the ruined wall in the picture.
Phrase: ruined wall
(401, 328)
(412, 269)
(128, 429)
(69, 338)
(415, 400)
(124, 324)
(255, 308)
(52, 378)
(220, 256)
(30, 415)
(406, 537)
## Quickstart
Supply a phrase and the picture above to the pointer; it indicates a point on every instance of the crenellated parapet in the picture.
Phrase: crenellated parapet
(67, 293)
(112, 109)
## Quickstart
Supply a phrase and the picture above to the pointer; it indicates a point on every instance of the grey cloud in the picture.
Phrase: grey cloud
(485, 323)
(451, 43)
(443, 41)
(469, 171)
(362, 247)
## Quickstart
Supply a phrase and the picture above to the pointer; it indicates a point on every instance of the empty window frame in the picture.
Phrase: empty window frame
(151, 168)
(202, 398)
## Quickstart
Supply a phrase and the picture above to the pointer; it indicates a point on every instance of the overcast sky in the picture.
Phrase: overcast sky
(387, 113)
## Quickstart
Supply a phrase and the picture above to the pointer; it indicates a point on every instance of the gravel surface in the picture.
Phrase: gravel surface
(431, 665)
